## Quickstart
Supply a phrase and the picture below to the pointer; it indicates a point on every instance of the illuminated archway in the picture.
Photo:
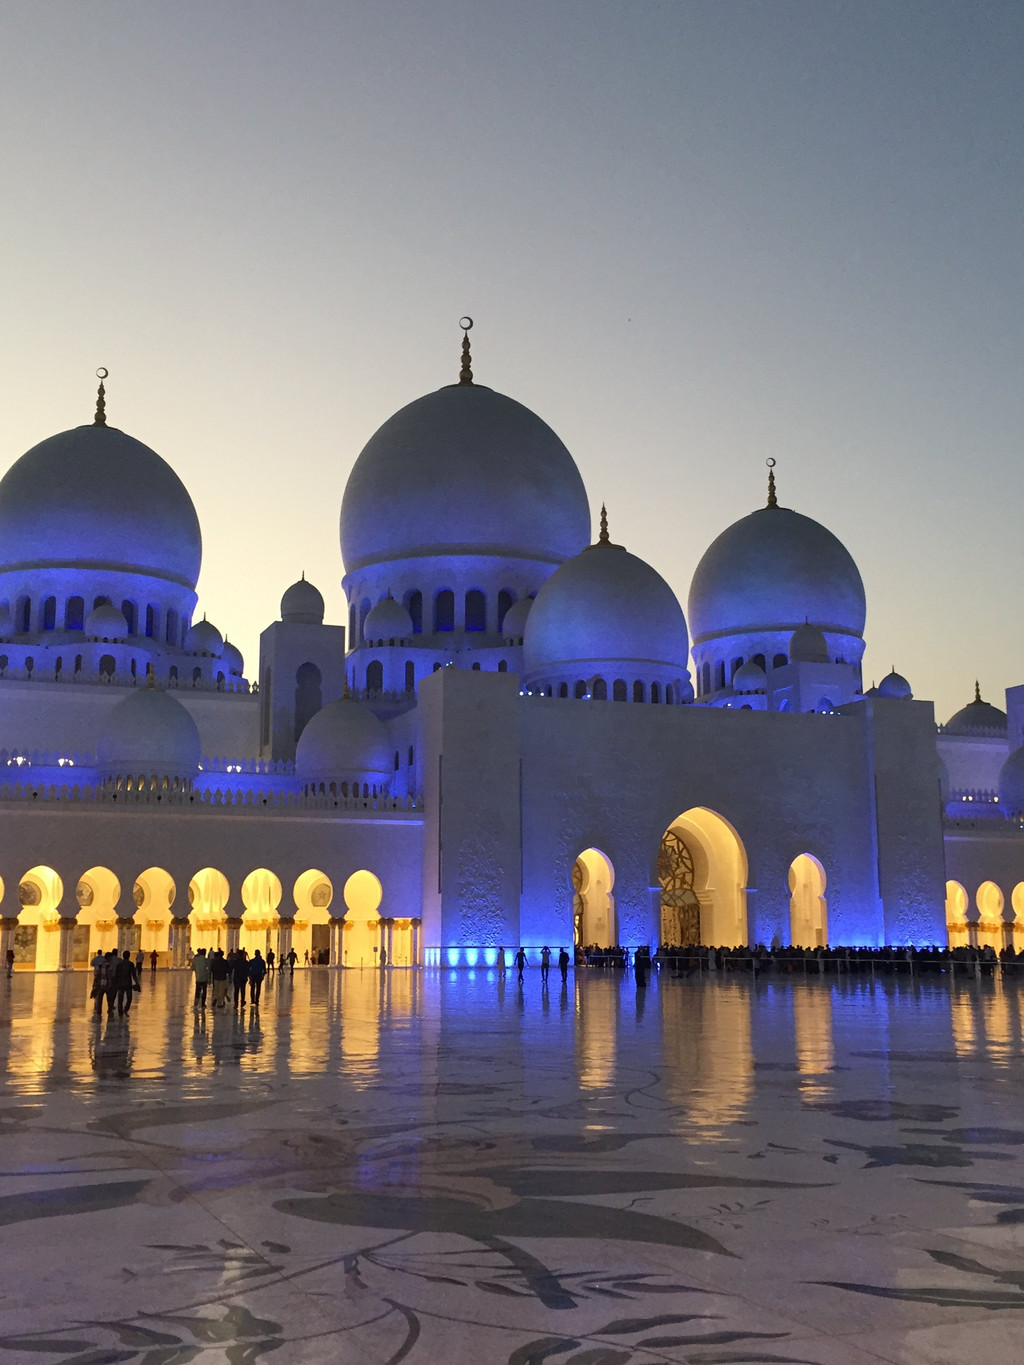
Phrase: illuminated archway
(261, 895)
(97, 893)
(717, 879)
(154, 893)
(208, 893)
(808, 909)
(37, 937)
(1017, 925)
(593, 904)
(362, 894)
(957, 930)
(313, 893)
(989, 900)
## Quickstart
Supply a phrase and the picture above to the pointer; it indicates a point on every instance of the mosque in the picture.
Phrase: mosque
(506, 743)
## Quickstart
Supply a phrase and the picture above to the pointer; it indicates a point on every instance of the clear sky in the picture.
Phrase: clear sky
(693, 236)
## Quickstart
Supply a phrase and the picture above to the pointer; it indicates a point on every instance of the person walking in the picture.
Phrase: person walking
(220, 971)
(239, 976)
(201, 972)
(293, 957)
(140, 962)
(99, 981)
(271, 959)
(563, 964)
(9, 960)
(641, 961)
(125, 981)
(501, 961)
(154, 958)
(545, 963)
(520, 961)
(257, 971)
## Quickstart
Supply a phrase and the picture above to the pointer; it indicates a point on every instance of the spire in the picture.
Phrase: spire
(466, 373)
(772, 500)
(977, 691)
(100, 420)
(603, 537)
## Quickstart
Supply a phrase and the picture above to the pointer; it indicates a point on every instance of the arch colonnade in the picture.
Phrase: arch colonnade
(987, 918)
(53, 930)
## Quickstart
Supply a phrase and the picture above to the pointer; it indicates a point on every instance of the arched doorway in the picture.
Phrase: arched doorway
(207, 895)
(313, 893)
(989, 900)
(261, 895)
(37, 937)
(154, 894)
(957, 929)
(96, 927)
(593, 905)
(362, 894)
(705, 856)
(808, 909)
(1016, 926)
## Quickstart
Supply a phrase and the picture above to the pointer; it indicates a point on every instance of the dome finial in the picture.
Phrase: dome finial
(602, 539)
(466, 373)
(100, 420)
(772, 500)
(977, 691)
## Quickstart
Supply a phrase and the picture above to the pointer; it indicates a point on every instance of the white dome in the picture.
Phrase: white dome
(303, 604)
(895, 687)
(514, 625)
(94, 498)
(605, 606)
(749, 677)
(807, 645)
(463, 471)
(149, 734)
(774, 570)
(977, 717)
(232, 656)
(346, 741)
(106, 622)
(203, 638)
(388, 620)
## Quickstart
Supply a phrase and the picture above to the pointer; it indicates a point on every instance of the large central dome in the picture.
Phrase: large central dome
(463, 471)
(95, 498)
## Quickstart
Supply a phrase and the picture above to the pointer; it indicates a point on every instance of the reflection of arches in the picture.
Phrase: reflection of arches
(208, 895)
(719, 875)
(96, 925)
(312, 894)
(989, 900)
(808, 909)
(593, 908)
(362, 894)
(37, 937)
(680, 908)
(261, 895)
(956, 915)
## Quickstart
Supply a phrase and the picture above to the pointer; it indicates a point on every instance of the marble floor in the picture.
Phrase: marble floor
(438, 1167)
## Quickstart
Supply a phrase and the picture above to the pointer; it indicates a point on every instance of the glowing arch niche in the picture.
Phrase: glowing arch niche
(702, 872)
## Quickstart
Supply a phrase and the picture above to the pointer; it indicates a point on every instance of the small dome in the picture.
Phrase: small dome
(106, 622)
(6, 623)
(977, 717)
(388, 620)
(204, 638)
(302, 604)
(463, 471)
(771, 571)
(807, 645)
(749, 677)
(514, 625)
(605, 606)
(344, 741)
(232, 656)
(1011, 784)
(149, 734)
(894, 687)
(96, 498)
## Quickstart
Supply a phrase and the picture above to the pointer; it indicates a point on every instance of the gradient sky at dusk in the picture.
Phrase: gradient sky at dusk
(693, 236)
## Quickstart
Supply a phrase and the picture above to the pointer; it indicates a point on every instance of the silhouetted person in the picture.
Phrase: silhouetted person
(154, 958)
(520, 961)
(126, 980)
(545, 962)
(257, 971)
(220, 971)
(201, 971)
(271, 959)
(239, 976)
(501, 961)
(563, 964)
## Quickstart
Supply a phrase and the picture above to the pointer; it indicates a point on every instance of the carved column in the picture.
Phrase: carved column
(337, 930)
(177, 942)
(66, 947)
(417, 925)
(389, 940)
(284, 940)
(234, 924)
(383, 926)
(124, 933)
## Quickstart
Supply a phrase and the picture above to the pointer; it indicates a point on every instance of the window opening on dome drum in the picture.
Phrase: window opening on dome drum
(619, 690)
(505, 601)
(50, 613)
(444, 611)
(476, 610)
(375, 676)
(414, 606)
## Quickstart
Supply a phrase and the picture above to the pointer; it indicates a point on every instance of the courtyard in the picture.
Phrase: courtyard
(428, 1166)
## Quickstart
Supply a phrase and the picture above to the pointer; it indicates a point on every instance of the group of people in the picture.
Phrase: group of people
(520, 961)
(115, 979)
(237, 971)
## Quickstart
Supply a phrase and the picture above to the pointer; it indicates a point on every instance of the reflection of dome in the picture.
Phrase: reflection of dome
(977, 716)
(149, 734)
(749, 677)
(105, 622)
(232, 656)
(514, 625)
(464, 470)
(894, 687)
(388, 620)
(774, 570)
(605, 606)
(203, 638)
(303, 604)
(807, 645)
(94, 498)
(344, 741)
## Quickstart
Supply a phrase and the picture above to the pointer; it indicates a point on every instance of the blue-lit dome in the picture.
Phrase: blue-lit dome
(149, 734)
(774, 571)
(894, 687)
(977, 717)
(94, 498)
(204, 638)
(346, 742)
(605, 606)
(463, 471)
(749, 677)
